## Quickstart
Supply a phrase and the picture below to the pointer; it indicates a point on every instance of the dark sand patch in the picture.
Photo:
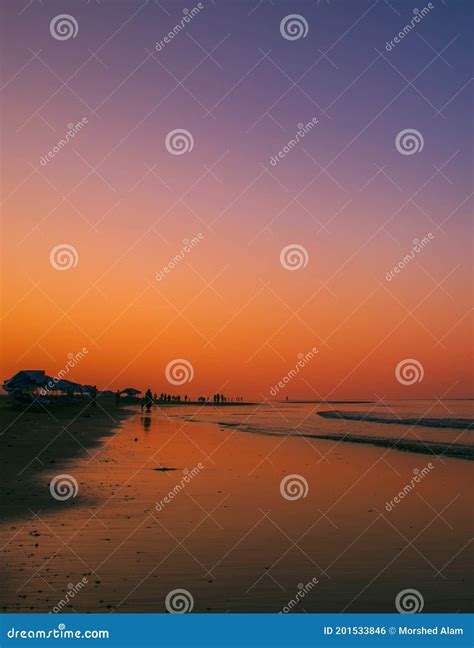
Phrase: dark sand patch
(34, 441)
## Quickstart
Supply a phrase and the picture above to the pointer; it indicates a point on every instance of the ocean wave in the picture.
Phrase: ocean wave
(453, 423)
(456, 450)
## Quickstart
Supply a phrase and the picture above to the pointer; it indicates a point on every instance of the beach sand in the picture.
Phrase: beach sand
(227, 536)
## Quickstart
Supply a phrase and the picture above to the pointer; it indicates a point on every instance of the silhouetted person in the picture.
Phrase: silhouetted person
(148, 399)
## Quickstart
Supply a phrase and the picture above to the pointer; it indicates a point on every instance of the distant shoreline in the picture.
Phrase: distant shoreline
(201, 403)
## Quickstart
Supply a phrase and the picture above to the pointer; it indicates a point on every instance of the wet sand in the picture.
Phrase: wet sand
(227, 535)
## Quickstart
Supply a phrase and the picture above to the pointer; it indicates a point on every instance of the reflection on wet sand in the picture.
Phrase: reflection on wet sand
(146, 520)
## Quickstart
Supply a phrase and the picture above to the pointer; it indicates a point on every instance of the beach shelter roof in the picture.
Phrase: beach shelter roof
(130, 391)
(26, 379)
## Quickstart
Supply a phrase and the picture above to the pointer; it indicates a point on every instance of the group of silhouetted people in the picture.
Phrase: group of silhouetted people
(167, 398)
(150, 399)
(220, 398)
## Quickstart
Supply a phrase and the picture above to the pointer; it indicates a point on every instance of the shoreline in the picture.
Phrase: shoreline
(434, 449)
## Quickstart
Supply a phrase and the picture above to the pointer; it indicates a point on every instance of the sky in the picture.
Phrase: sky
(353, 238)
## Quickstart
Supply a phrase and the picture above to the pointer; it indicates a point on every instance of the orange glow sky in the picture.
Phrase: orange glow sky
(229, 307)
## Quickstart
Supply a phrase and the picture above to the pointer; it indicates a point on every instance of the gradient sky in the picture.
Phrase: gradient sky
(344, 193)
